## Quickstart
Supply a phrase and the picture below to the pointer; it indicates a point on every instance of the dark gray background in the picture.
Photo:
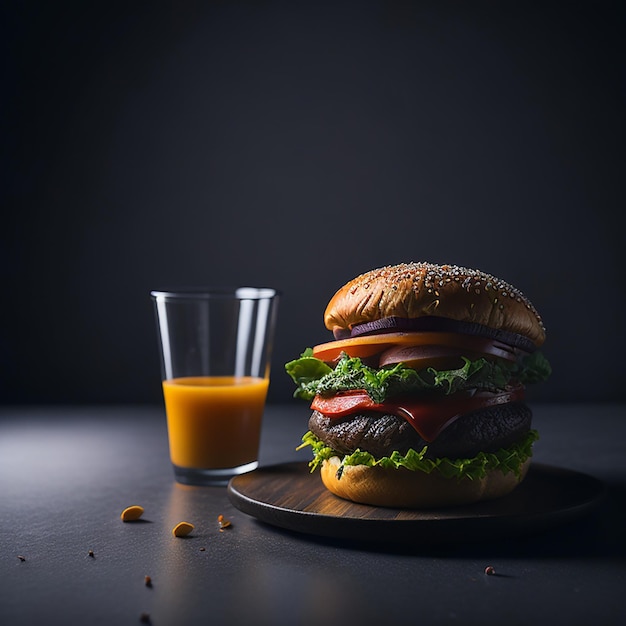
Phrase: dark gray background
(296, 145)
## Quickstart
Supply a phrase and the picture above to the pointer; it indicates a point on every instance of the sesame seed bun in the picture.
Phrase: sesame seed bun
(413, 290)
(402, 488)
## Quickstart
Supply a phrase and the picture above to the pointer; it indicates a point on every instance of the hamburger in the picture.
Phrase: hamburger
(418, 401)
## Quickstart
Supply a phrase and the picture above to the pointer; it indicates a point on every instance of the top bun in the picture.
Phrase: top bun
(412, 290)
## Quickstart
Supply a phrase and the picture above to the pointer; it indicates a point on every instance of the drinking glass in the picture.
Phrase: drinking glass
(215, 347)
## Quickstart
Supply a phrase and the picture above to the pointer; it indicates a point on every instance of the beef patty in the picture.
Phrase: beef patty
(485, 430)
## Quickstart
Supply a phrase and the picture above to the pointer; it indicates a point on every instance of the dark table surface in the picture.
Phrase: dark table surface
(66, 473)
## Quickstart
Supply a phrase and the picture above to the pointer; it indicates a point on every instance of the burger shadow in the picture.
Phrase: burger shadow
(598, 534)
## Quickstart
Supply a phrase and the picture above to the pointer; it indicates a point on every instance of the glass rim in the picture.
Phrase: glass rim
(215, 293)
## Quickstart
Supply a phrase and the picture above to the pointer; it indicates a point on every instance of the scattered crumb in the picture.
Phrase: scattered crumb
(489, 570)
(132, 513)
(182, 529)
(148, 581)
(21, 558)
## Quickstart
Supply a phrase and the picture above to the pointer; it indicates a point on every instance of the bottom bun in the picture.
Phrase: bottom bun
(402, 488)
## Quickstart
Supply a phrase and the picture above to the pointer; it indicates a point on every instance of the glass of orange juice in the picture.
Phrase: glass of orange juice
(215, 347)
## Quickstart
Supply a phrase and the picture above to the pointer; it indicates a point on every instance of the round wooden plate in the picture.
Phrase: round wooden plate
(290, 497)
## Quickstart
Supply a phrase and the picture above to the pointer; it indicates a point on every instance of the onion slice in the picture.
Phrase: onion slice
(434, 323)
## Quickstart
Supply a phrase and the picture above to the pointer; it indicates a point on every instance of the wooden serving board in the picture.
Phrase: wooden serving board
(290, 497)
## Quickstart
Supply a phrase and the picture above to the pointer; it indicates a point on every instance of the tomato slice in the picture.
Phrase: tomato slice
(370, 345)
(344, 403)
(441, 357)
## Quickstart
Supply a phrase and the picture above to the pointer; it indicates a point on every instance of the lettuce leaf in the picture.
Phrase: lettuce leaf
(533, 368)
(507, 459)
(307, 369)
(313, 376)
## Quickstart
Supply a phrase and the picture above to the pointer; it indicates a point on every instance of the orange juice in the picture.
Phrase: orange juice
(214, 421)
